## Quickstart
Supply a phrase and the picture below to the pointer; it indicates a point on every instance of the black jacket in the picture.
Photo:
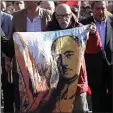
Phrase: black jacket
(108, 47)
(7, 46)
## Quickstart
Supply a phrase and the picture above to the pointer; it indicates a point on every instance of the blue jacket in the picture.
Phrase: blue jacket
(5, 22)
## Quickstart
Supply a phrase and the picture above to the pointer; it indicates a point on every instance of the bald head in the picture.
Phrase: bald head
(63, 15)
(50, 5)
(63, 9)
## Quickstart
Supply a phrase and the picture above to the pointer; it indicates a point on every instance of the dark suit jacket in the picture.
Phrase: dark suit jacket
(99, 63)
(108, 47)
(19, 23)
(7, 50)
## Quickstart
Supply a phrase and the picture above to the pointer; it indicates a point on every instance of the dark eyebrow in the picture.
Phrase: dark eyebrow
(69, 51)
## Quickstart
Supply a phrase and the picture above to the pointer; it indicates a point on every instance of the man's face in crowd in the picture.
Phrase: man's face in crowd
(63, 15)
(30, 4)
(67, 54)
(63, 20)
(18, 5)
(48, 5)
(84, 3)
(99, 10)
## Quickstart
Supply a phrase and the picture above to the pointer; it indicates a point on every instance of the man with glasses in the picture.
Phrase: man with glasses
(63, 18)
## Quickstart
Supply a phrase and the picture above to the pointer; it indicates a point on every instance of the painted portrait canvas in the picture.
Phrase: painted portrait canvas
(49, 65)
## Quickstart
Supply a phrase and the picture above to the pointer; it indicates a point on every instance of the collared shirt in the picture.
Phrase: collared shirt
(35, 25)
(101, 28)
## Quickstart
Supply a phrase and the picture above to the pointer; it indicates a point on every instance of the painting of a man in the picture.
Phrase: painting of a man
(67, 52)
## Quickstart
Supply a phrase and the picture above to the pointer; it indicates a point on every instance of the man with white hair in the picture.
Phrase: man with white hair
(50, 5)
(64, 11)
(63, 18)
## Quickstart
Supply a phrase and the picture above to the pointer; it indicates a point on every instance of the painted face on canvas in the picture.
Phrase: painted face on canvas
(67, 54)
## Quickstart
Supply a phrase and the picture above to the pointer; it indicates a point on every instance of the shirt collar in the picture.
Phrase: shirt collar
(34, 19)
(104, 21)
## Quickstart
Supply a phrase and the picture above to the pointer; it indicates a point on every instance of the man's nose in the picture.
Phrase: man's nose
(101, 12)
(61, 60)
(64, 18)
(64, 62)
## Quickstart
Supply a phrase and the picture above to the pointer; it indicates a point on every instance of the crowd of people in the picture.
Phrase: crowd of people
(96, 72)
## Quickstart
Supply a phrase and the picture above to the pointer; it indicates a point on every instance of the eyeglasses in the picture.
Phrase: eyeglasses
(63, 16)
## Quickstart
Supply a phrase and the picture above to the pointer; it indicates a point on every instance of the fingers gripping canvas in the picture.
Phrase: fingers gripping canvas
(49, 66)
